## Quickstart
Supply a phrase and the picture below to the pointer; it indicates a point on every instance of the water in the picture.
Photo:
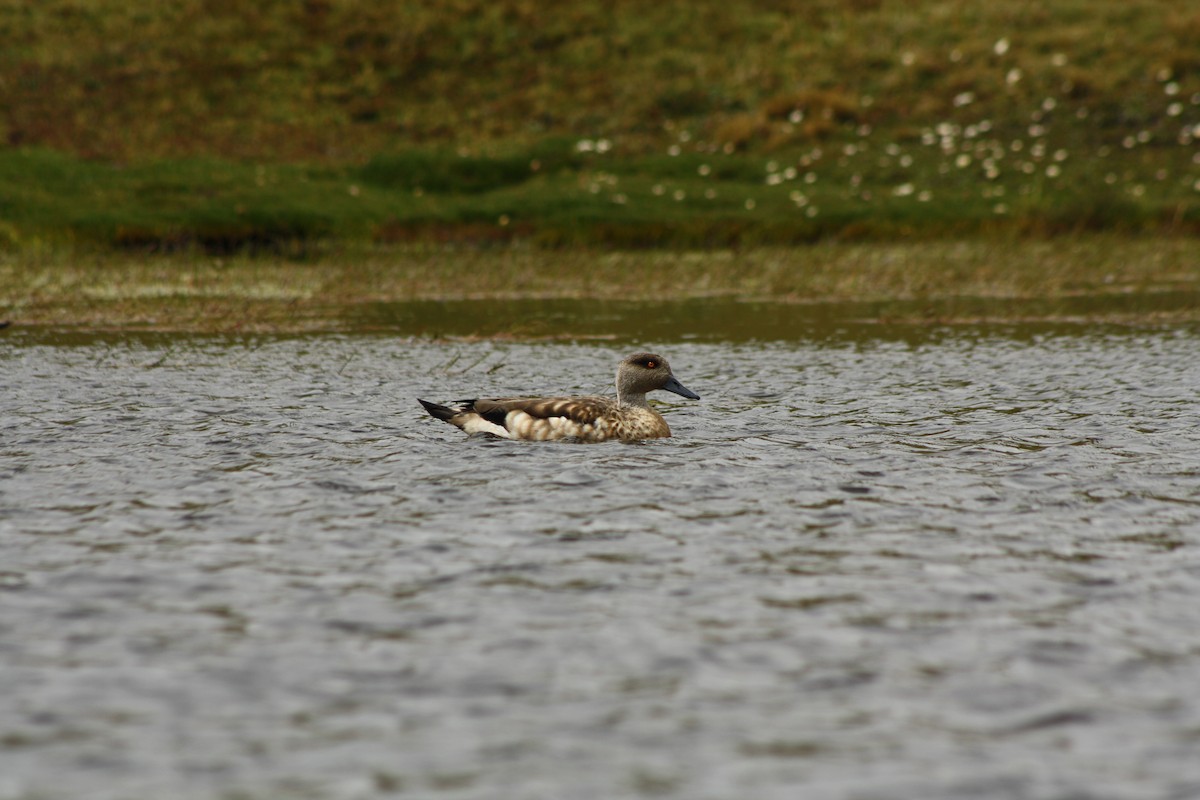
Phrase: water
(874, 562)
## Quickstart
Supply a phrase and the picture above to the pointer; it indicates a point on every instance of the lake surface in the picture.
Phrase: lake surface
(876, 561)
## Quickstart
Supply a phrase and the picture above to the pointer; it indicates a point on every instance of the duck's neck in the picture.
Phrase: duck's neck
(631, 399)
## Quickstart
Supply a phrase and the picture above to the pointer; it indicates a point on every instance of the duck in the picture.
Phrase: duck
(626, 418)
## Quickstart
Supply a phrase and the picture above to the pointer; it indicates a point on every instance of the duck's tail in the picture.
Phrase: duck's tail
(464, 415)
(443, 413)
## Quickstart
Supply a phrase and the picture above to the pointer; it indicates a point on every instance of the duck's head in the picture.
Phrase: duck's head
(646, 372)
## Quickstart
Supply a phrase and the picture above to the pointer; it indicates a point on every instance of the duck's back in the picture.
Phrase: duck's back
(587, 419)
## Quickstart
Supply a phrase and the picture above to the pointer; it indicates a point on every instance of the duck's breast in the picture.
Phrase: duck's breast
(635, 423)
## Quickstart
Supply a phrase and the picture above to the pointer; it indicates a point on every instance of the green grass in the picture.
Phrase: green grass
(213, 125)
(876, 192)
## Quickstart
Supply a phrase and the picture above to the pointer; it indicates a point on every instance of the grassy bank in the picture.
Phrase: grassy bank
(556, 197)
(210, 126)
(192, 292)
(344, 80)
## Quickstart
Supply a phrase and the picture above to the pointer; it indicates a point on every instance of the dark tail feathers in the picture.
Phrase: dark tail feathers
(441, 412)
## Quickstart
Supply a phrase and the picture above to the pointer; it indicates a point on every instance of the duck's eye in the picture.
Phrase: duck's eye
(651, 364)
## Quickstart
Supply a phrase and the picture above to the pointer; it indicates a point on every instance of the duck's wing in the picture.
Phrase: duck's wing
(536, 418)
(579, 410)
(541, 418)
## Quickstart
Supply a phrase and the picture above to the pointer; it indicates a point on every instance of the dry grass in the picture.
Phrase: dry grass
(341, 81)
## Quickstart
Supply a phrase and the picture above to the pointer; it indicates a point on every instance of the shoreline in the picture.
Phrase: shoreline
(922, 282)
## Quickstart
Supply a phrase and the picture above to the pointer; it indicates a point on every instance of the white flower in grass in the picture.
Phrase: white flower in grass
(1000, 47)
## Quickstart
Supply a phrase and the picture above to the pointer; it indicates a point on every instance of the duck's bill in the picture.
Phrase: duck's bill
(678, 388)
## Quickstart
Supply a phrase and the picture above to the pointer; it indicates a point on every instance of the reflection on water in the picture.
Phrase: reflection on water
(875, 561)
(731, 320)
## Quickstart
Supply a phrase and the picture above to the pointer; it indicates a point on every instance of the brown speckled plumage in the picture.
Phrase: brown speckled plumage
(628, 417)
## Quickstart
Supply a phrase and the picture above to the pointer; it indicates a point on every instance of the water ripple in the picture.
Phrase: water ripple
(943, 565)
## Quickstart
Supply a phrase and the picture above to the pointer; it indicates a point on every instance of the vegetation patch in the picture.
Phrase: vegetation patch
(1115, 278)
(286, 127)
